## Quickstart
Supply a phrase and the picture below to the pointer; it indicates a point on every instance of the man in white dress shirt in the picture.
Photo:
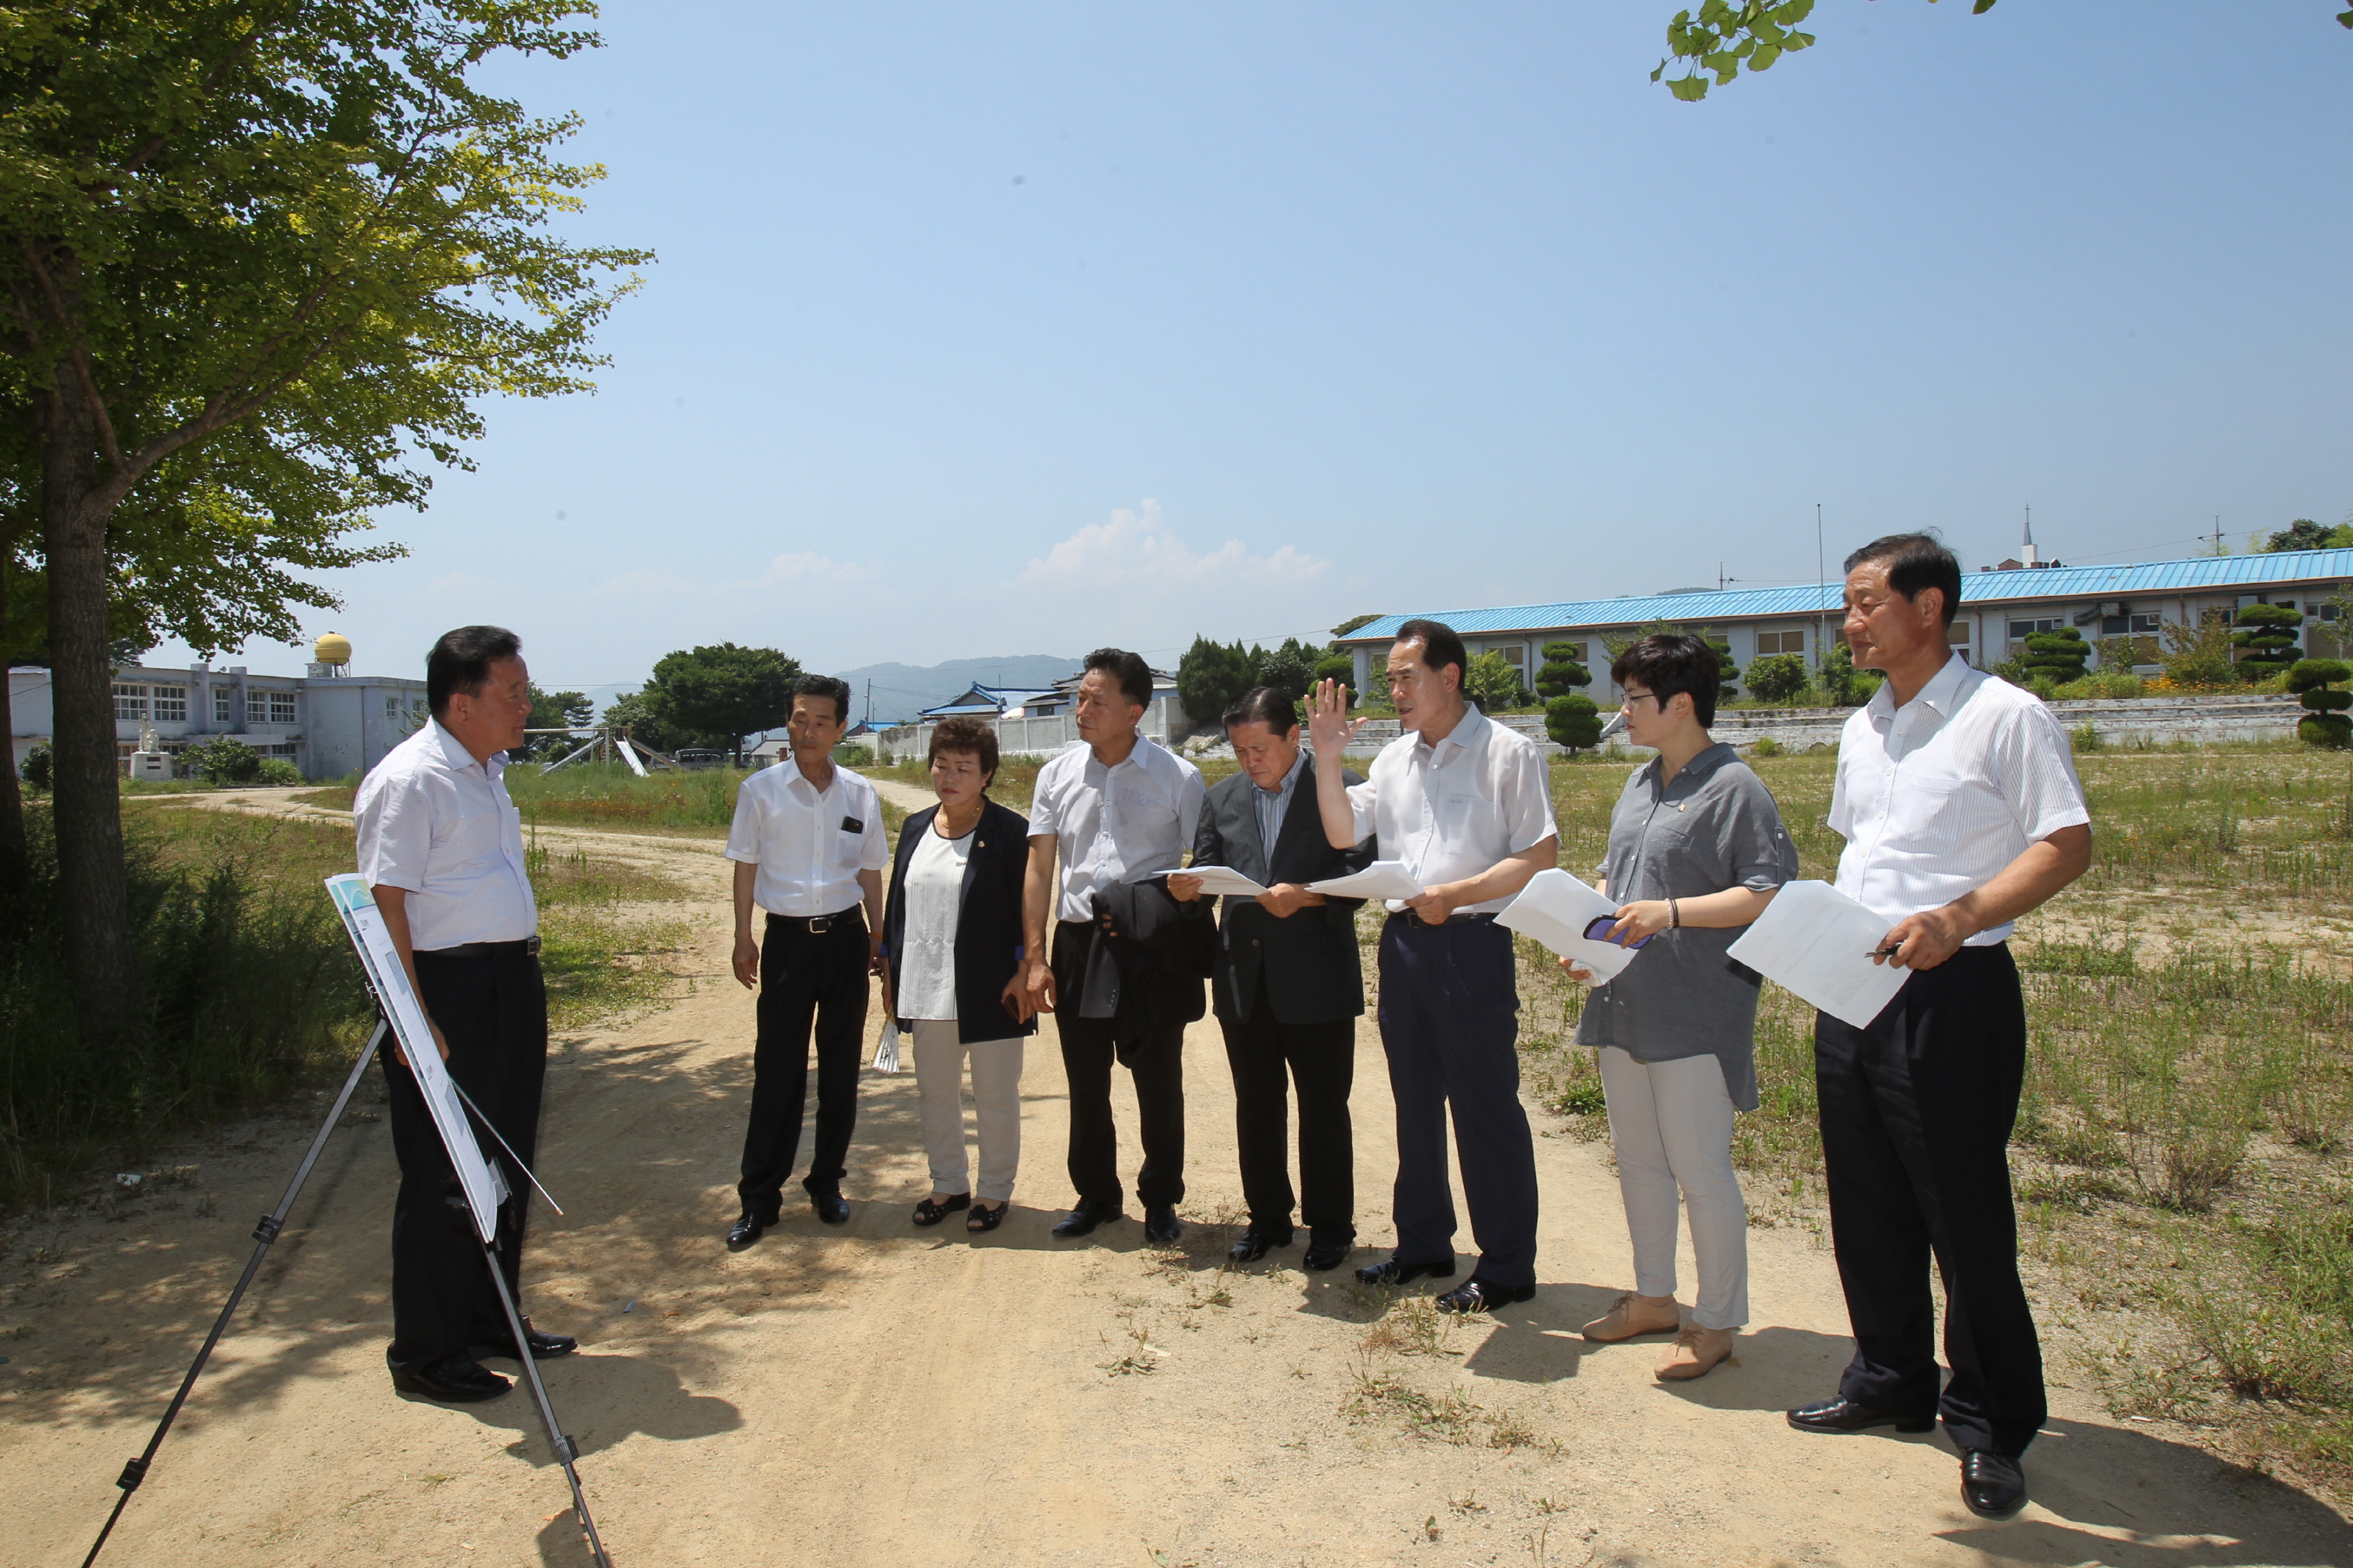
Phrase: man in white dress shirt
(1465, 804)
(1112, 809)
(1960, 805)
(441, 847)
(808, 848)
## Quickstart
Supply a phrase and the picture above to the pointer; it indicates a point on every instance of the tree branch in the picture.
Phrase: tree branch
(80, 353)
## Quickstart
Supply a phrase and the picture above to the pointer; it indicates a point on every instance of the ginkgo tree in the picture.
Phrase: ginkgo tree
(260, 265)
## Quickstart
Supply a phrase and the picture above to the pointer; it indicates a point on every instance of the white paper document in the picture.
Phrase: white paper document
(1817, 942)
(886, 1049)
(484, 1187)
(1382, 879)
(1554, 907)
(1214, 879)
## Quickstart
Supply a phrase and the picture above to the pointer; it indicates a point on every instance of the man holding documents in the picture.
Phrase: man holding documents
(1696, 851)
(1288, 984)
(440, 846)
(1960, 808)
(1463, 805)
(1113, 810)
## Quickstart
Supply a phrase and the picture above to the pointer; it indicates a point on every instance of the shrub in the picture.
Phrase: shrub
(2265, 640)
(224, 761)
(1338, 666)
(279, 772)
(1767, 746)
(2060, 655)
(2104, 683)
(1777, 677)
(1573, 723)
(2197, 657)
(2324, 723)
(1210, 676)
(1847, 686)
(41, 770)
(1726, 670)
(851, 755)
(1561, 674)
(1492, 683)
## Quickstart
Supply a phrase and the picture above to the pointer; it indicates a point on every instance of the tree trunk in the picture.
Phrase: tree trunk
(100, 960)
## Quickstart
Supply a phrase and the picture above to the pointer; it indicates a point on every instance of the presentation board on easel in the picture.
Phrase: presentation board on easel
(484, 1187)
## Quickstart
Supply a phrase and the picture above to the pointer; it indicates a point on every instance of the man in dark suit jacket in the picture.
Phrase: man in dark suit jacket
(1288, 983)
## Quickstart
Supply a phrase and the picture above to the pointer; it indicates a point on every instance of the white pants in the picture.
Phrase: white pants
(1671, 1123)
(997, 1101)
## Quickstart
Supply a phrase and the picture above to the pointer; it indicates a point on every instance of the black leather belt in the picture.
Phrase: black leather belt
(527, 948)
(817, 925)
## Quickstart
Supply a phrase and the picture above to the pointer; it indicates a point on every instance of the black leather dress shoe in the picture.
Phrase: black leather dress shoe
(1322, 1254)
(831, 1207)
(1255, 1244)
(1991, 1484)
(544, 1347)
(1161, 1225)
(747, 1228)
(452, 1380)
(1477, 1295)
(1394, 1270)
(1836, 1415)
(1082, 1219)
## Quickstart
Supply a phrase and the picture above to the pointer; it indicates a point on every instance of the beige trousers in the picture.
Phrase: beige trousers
(996, 1102)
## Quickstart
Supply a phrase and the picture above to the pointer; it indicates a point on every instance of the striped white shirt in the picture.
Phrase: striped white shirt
(1936, 797)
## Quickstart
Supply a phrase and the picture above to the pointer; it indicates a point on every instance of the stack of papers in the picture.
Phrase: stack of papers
(1214, 879)
(1817, 942)
(1554, 907)
(1385, 880)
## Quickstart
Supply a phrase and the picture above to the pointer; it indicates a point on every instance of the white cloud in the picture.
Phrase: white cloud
(1138, 548)
(661, 585)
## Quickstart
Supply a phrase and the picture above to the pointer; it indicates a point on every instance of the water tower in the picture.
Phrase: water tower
(329, 655)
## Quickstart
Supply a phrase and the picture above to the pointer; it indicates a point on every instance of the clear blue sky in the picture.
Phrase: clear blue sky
(1028, 328)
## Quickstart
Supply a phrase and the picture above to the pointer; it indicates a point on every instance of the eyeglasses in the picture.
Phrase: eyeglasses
(1634, 696)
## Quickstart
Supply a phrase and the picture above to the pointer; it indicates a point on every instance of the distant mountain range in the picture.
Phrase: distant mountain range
(901, 691)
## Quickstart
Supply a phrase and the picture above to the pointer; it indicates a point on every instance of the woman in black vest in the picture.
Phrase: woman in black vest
(952, 937)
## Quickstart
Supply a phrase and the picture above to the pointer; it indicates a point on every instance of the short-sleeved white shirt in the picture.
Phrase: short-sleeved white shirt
(810, 843)
(435, 823)
(1113, 824)
(1934, 798)
(1455, 809)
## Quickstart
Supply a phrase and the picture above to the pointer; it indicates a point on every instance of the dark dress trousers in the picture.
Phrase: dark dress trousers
(492, 1010)
(988, 948)
(1288, 993)
(1916, 1114)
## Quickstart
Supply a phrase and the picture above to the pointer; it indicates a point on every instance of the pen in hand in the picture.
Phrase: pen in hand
(1885, 952)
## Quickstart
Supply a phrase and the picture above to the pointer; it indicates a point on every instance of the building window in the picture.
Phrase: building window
(224, 705)
(1781, 642)
(1515, 654)
(1957, 633)
(281, 707)
(130, 702)
(171, 704)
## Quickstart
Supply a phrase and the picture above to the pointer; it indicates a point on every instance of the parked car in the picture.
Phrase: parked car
(694, 758)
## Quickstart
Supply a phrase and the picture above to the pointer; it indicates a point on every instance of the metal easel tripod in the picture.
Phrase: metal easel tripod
(264, 1235)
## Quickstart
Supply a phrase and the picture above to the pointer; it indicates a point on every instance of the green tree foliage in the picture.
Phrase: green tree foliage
(2058, 656)
(1777, 677)
(1727, 671)
(260, 265)
(1353, 623)
(2303, 535)
(39, 773)
(724, 691)
(1290, 668)
(556, 711)
(1573, 722)
(1726, 35)
(1210, 676)
(1339, 667)
(1493, 683)
(640, 713)
(1848, 687)
(2265, 640)
(2197, 657)
(222, 760)
(2324, 723)
(1561, 674)
(2315, 681)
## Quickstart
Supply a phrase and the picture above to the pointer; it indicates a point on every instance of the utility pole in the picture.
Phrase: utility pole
(1821, 580)
(870, 701)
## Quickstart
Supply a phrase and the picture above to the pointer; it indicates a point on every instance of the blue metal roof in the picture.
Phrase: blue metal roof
(2197, 574)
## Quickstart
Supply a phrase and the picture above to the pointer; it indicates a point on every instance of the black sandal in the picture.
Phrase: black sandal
(982, 1219)
(928, 1213)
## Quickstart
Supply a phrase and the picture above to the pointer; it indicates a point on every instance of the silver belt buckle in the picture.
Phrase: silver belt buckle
(531, 945)
(820, 924)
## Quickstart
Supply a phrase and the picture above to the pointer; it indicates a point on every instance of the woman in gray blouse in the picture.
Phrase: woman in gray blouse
(1696, 851)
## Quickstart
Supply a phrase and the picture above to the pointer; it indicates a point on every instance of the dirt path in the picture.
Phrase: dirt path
(885, 1395)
